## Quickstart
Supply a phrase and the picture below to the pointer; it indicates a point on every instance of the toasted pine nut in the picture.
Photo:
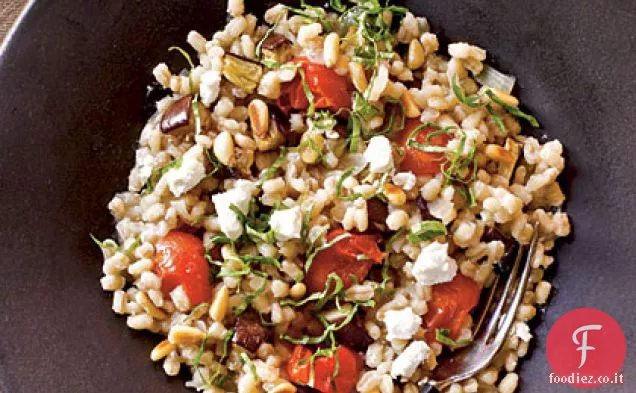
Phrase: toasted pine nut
(298, 290)
(331, 49)
(415, 57)
(498, 153)
(224, 147)
(394, 194)
(149, 307)
(358, 76)
(505, 97)
(161, 350)
(393, 90)
(185, 335)
(259, 117)
(411, 110)
(218, 308)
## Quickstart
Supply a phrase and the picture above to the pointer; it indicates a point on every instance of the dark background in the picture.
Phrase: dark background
(72, 80)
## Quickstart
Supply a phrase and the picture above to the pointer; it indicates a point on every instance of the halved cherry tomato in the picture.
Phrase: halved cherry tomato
(353, 255)
(330, 90)
(349, 367)
(180, 260)
(417, 161)
(450, 304)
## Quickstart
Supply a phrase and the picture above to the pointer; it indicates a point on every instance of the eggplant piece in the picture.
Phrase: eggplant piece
(277, 48)
(242, 72)
(279, 131)
(423, 206)
(378, 211)
(354, 335)
(249, 333)
(179, 117)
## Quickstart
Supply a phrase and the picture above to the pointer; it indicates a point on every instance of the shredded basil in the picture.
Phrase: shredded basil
(280, 160)
(443, 336)
(427, 230)
(226, 341)
(313, 14)
(312, 255)
(385, 264)
(355, 129)
(322, 297)
(238, 310)
(513, 110)
(246, 360)
(363, 107)
(110, 244)
(259, 46)
(157, 174)
(310, 96)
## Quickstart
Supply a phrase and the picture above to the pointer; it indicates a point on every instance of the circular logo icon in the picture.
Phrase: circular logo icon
(586, 348)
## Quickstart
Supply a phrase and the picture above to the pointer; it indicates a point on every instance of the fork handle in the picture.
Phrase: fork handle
(428, 388)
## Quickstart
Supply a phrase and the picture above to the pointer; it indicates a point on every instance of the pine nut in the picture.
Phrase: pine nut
(411, 110)
(298, 290)
(161, 350)
(219, 305)
(224, 148)
(331, 49)
(358, 77)
(415, 57)
(259, 117)
(185, 335)
(499, 153)
(505, 97)
(395, 195)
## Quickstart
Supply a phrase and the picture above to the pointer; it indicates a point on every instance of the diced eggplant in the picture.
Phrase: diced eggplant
(276, 48)
(354, 335)
(242, 72)
(249, 333)
(423, 206)
(378, 212)
(507, 167)
(180, 119)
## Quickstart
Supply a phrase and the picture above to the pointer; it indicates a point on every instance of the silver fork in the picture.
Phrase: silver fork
(491, 328)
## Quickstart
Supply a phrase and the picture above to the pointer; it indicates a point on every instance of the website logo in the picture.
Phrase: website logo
(586, 348)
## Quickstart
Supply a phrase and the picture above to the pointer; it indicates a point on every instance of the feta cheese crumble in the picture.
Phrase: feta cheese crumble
(229, 222)
(287, 223)
(433, 265)
(401, 324)
(408, 361)
(210, 87)
(190, 173)
(379, 155)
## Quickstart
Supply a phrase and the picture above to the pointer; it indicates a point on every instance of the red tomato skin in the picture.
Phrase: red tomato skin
(417, 161)
(331, 91)
(349, 367)
(341, 258)
(180, 260)
(450, 304)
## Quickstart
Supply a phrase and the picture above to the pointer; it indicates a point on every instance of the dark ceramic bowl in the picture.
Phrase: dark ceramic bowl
(73, 77)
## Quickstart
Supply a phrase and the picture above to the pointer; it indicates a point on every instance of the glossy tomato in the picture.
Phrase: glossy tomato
(349, 367)
(417, 161)
(180, 260)
(351, 256)
(450, 304)
(330, 90)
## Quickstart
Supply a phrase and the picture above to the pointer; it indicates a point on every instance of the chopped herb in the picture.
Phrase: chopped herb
(220, 239)
(280, 160)
(304, 340)
(312, 255)
(313, 14)
(513, 110)
(157, 174)
(385, 264)
(426, 230)
(197, 312)
(260, 237)
(324, 120)
(363, 107)
(355, 129)
(246, 360)
(495, 117)
(389, 127)
(337, 5)
(259, 46)
(323, 297)
(310, 96)
(471, 101)
(238, 310)
(226, 341)
(443, 336)
(105, 244)
(197, 359)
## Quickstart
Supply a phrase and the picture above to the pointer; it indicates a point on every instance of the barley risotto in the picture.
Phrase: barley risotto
(319, 200)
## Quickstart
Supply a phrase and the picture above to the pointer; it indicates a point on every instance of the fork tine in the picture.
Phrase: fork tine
(506, 322)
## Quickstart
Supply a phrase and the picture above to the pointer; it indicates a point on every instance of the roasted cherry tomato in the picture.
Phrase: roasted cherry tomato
(450, 304)
(349, 367)
(353, 255)
(180, 260)
(417, 161)
(330, 90)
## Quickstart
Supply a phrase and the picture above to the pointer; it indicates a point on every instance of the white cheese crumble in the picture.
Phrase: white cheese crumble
(190, 173)
(210, 87)
(408, 361)
(433, 265)
(379, 155)
(401, 324)
(287, 223)
(229, 222)
(406, 180)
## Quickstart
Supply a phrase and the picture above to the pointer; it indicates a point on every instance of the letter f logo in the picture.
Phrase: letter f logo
(583, 344)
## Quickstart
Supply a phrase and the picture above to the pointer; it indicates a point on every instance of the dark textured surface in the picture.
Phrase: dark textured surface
(73, 81)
